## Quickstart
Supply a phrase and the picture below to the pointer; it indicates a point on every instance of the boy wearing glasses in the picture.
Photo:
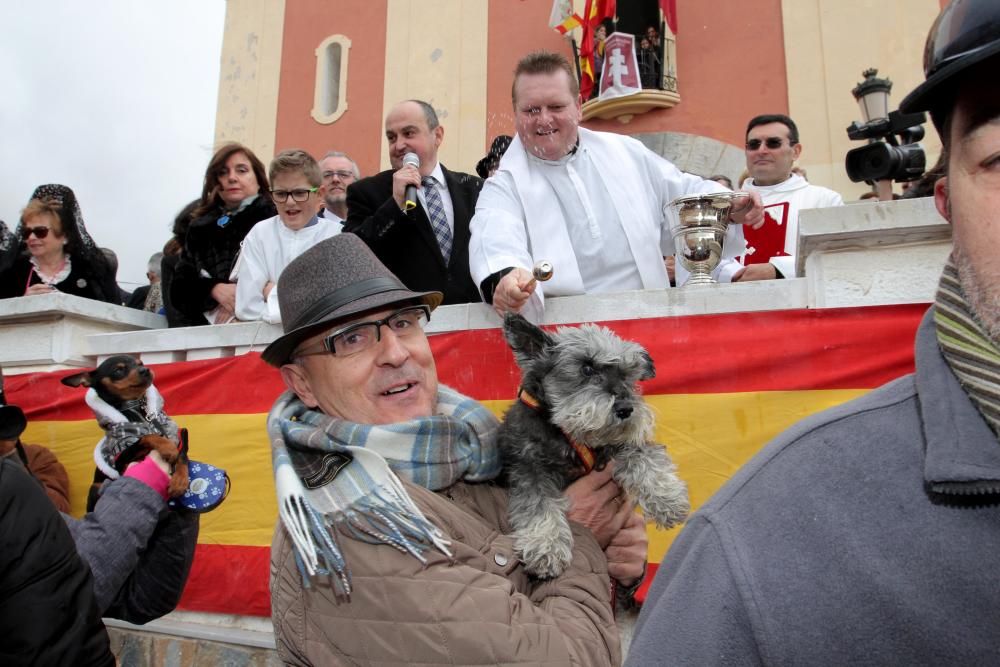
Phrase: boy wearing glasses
(771, 150)
(297, 190)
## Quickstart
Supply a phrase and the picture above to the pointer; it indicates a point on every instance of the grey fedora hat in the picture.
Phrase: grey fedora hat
(331, 281)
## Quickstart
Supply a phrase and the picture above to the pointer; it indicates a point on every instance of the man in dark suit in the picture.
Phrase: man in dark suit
(428, 246)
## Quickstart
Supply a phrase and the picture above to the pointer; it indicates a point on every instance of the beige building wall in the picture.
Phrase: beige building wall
(248, 80)
(436, 51)
(828, 43)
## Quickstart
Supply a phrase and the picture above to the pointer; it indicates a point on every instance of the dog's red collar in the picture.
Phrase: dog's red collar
(528, 399)
(583, 452)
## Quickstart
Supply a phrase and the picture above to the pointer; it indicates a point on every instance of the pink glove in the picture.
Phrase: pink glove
(149, 473)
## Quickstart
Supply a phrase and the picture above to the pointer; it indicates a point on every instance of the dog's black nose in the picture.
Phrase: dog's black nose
(623, 413)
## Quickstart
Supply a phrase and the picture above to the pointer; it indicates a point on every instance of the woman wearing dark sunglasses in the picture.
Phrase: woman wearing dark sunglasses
(56, 254)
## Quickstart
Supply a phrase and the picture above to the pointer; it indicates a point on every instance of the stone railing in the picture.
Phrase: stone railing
(51, 331)
(858, 255)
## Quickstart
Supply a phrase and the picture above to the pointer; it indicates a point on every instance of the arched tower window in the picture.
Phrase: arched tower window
(330, 97)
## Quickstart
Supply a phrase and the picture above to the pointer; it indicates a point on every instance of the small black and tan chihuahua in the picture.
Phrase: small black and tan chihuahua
(130, 410)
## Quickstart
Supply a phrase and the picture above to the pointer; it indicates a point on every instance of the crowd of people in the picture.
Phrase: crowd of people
(860, 536)
(451, 234)
(544, 193)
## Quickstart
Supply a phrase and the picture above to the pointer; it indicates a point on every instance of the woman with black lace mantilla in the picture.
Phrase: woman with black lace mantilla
(51, 251)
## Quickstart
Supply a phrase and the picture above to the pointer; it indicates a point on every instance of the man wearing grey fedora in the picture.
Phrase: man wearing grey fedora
(394, 544)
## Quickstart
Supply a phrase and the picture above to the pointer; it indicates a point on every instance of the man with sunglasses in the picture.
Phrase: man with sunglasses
(297, 189)
(772, 149)
(394, 545)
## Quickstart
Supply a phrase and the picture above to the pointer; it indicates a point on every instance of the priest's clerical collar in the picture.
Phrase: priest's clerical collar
(564, 159)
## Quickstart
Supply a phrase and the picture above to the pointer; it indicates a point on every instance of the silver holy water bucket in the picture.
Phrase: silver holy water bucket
(698, 225)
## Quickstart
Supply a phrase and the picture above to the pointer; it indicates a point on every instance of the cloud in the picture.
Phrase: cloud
(115, 99)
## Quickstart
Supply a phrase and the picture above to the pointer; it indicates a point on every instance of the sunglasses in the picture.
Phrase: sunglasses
(770, 142)
(39, 232)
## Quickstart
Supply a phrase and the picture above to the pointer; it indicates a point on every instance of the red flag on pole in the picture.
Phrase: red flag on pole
(669, 8)
(595, 12)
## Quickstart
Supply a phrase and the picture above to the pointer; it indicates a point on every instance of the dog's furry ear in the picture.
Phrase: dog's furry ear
(83, 379)
(649, 371)
(525, 339)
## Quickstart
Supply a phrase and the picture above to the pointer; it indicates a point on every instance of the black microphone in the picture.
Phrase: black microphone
(410, 202)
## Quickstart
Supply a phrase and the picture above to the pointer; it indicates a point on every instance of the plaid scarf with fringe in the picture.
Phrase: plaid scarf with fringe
(334, 476)
(967, 348)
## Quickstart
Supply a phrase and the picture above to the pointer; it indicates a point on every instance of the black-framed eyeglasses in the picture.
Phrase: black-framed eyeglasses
(339, 173)
(364, 335)
(39, 232)
(770, 142)
(299, 195)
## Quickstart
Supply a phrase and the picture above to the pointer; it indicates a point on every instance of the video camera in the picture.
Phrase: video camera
(886, 157)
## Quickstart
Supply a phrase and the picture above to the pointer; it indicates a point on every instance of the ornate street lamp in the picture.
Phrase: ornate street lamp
(872, 95)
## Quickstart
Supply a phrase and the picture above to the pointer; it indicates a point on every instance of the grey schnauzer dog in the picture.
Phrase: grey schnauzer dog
(578, 407)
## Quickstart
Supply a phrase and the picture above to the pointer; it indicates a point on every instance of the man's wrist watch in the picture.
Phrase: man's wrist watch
(626, 594)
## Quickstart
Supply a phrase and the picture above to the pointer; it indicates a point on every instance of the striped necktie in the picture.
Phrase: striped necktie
(439, 222)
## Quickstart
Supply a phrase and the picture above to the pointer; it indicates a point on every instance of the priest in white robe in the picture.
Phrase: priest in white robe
(591, 203)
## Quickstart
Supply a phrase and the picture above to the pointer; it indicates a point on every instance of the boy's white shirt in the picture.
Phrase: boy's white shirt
(267, 250)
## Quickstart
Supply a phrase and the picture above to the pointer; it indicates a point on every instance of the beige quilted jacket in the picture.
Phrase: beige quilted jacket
(480, 610)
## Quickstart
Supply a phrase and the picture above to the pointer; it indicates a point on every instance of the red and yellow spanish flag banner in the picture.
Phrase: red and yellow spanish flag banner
(562, 19)
(724, 385)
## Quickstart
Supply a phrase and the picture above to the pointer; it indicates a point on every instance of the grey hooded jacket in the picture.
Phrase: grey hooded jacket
(868, 534)
(139, 552)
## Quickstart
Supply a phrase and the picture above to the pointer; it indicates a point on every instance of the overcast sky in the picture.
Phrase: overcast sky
(116, 99)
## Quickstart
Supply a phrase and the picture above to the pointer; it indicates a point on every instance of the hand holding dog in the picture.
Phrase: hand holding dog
(513, 291)
(160, 462)
(628, 550)
(595, 502)
(153, 471)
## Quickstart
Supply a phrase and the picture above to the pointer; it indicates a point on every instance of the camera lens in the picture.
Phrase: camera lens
(880, 161)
